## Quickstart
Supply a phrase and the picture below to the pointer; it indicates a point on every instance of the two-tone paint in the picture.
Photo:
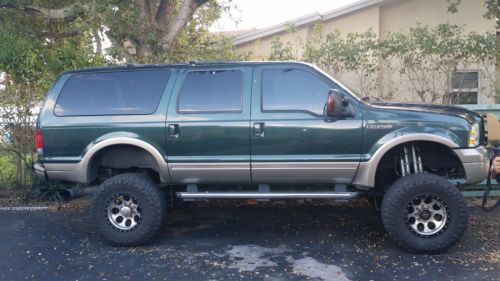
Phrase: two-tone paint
(253, 146)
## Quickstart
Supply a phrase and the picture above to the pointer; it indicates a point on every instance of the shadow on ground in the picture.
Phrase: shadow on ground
(226, 242)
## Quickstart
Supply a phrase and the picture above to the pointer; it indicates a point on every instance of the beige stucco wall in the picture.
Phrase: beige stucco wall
(401, 15)
(357, 21)
(261, 48)
(391, 16)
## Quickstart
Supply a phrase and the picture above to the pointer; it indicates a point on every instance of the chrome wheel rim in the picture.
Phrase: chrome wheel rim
(427, 215)
(123, 212)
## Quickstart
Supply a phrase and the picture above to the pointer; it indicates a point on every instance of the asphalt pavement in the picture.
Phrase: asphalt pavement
(213, 241)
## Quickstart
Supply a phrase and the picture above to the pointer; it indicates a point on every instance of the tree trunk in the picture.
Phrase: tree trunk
(98, 41)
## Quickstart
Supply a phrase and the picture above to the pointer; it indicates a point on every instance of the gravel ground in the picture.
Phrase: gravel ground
(213, 241)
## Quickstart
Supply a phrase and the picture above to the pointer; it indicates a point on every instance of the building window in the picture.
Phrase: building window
(465, 87)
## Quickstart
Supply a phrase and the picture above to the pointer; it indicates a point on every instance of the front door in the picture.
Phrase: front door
(208, 126)
(292, 141)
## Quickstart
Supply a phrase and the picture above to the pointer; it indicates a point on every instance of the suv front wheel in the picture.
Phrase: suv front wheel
(424, 213)
(128, 209)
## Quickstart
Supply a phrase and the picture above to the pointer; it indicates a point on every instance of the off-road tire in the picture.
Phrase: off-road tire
(152, 202)
(394, 206)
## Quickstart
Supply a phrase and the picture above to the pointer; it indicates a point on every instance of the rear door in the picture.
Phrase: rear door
(292, 141)
(208, 126)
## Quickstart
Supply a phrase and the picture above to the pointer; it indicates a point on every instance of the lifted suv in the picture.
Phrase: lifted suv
(261, 130)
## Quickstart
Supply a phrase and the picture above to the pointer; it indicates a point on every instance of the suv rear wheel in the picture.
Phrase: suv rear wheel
(128, 209)
(424, 213)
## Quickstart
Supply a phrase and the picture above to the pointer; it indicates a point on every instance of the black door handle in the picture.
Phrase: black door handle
(258, 129)
(173, 130)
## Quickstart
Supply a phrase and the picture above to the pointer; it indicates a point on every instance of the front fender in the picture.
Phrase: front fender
(403, 135)
(368, 167)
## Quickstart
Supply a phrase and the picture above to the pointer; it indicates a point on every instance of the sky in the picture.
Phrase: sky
(263, 13)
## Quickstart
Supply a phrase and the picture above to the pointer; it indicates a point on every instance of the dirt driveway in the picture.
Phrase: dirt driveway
(224, 242)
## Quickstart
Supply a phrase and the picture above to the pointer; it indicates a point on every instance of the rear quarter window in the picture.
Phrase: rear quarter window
(135, 92)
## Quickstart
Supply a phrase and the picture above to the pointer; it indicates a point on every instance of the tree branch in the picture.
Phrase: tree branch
(165, 11)
(68, 13)
(148, 6)
(58, 35)
(140, 5)
(175, 25)
(98, 40)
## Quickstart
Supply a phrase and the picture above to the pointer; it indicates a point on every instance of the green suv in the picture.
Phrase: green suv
(255, 130)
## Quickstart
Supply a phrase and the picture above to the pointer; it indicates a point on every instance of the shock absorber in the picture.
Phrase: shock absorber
(417, 160)
(410, 158)
(405, 165)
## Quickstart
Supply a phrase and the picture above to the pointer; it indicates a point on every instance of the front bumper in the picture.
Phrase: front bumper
(476, 163)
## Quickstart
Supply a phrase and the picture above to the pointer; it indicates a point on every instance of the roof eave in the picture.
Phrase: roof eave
(311, 18)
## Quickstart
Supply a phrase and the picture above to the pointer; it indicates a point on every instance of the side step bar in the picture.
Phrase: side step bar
(267, 195)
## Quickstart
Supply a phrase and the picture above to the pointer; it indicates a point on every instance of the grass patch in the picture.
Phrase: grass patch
(7, 171)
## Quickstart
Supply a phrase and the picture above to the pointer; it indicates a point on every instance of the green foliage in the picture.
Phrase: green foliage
(203, 47)
(37, 45)
(354, 53)
(424, 58)
(33, 51)
(453, 5)
(7, 171)
(428, 57)
(137, 40)
(280, 51)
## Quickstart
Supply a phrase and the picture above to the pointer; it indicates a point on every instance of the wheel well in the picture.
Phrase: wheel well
(437, 159)
(117, 159)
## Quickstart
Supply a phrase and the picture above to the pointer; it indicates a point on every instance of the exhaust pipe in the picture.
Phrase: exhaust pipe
(76, 192)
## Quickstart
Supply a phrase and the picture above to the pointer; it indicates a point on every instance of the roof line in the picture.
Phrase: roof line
(307, 19)
(191, 64)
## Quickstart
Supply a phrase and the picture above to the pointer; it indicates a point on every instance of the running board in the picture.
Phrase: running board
(267, 195)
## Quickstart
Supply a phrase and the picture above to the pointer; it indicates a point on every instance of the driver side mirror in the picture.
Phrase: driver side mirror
(334, 103)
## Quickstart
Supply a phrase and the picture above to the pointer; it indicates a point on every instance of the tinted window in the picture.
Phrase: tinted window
(293, 89)
(211, 91)
(112, 93)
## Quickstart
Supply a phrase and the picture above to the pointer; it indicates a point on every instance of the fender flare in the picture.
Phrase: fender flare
(368, 169)
(103, 143)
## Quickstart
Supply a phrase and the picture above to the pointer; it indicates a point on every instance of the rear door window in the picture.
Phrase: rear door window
(135, 92)
(211, 91)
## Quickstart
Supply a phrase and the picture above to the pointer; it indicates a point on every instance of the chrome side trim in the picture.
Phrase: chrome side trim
(303, 172)
(367, 170)
(270, 195)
